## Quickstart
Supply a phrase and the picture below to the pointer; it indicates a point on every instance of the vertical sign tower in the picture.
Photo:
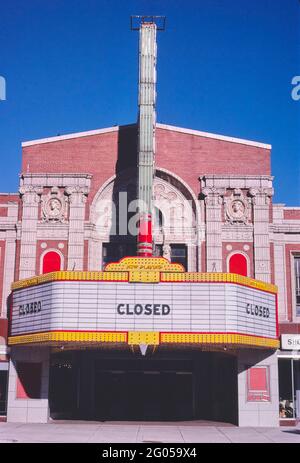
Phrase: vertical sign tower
(147, 26)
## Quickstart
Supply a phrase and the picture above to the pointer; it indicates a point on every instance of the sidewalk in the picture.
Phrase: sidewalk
(134, 432)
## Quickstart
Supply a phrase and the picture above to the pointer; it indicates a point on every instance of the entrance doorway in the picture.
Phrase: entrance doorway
(144, 390)
(130, 387)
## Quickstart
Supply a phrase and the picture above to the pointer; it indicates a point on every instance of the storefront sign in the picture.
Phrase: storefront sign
(290, 341)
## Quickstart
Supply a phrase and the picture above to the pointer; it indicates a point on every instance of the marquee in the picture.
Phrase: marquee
(109, 307)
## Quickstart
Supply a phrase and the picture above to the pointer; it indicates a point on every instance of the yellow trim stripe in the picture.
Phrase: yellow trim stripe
(158, 264)
(217, 277)
(68, 336)
(70, 276)
(145, 276)
(220, 338)
(144, 337)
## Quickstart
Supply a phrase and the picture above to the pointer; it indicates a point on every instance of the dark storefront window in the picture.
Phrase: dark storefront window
(3, 391)
(112, 252)
(157, 250)
(179, 254)
(29, 380)
(297, 284)
(289, 388)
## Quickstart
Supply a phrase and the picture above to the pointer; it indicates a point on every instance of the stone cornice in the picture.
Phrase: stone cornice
(52, 179)
(285, 228)
(236, 181)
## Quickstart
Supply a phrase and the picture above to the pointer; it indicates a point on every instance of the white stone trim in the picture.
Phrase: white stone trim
(9, 268)
(293, 286)
(172, 128)
(280, 278)
(70, 136)
(180, 180)
(287, 227)
(62, 266)
(4, 350)
(214, 135)
(28, 410)
(56, 179)
(236, 181)
(236, 251)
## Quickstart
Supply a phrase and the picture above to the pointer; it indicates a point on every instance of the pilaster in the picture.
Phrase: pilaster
(77, 199)
(213, 212)
(31, 197)
(261, 198)
(9, 268)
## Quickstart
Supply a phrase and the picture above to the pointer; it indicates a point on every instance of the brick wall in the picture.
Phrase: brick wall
(188, 156)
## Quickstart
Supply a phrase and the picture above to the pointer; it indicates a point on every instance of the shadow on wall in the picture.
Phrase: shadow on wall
(121, 243)
(257, 370)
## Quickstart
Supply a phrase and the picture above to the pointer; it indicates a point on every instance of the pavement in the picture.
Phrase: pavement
(143, 432)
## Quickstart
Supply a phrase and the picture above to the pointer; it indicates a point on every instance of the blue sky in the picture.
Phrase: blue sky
(224, 66)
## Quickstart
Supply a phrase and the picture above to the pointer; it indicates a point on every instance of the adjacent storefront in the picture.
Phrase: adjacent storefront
(289, 377)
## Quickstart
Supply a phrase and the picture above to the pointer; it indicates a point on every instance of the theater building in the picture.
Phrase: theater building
(194, 317)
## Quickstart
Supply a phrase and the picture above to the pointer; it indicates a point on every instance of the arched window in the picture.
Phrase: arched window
(238, 264)
(158, 219)
(51, 262)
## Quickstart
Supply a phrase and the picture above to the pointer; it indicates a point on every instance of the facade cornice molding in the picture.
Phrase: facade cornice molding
(10, 204)
(285, 228)
(171, 128)
(236, 181)
(6, 225)
(69, 136)
(198, 133)
(54, 175)
(8, 234)
(58, 180)
(237, 227)
(52, 226)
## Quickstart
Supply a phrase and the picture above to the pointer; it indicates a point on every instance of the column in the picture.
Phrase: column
(9, 268)
(31, 198)
(280, 276)
(28, 385)
(95, 255)
(261, 240)
(213, 208)
(77, 198)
